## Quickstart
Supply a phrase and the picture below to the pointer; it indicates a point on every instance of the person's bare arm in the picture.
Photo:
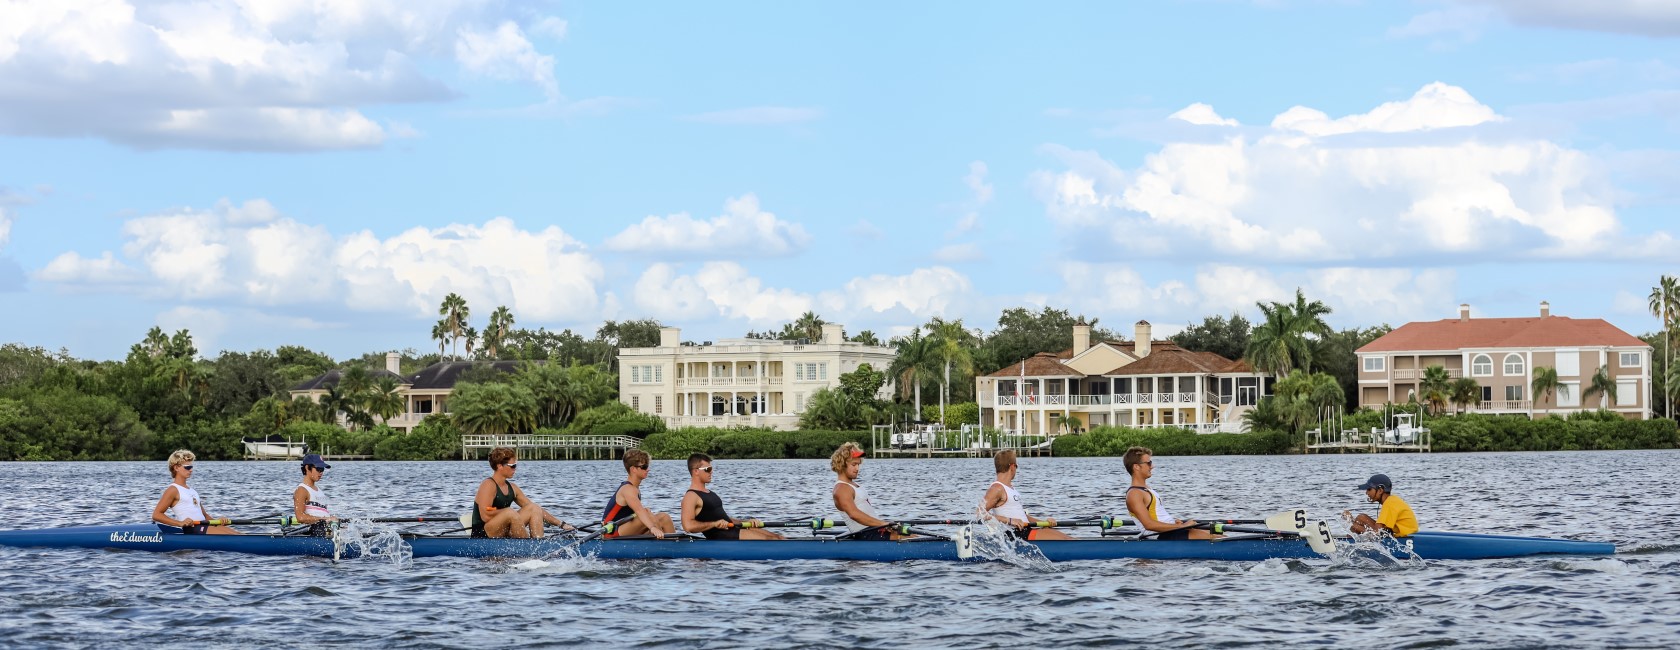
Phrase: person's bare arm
(845, 500)
(633, 501)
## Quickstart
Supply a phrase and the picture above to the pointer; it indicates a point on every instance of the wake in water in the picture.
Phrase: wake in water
(994, 541)
(361, 538)
(1373, 548)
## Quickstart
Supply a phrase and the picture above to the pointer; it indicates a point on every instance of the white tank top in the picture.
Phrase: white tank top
(1011, 508)
(1159, 510)
(186, 504)
(860, 498)
(316, 504)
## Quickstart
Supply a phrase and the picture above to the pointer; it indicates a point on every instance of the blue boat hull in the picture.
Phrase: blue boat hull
(1427, 545)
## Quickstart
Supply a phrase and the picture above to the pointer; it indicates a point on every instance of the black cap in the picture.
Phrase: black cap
(314, 460)
(1378, 481)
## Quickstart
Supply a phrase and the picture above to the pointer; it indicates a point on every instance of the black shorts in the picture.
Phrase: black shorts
(1025, 533)
(195, 530)
(875, 534)
(1174, 535)
(722, 533)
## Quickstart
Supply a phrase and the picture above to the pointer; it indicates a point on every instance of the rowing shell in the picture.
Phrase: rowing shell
(1427, 545)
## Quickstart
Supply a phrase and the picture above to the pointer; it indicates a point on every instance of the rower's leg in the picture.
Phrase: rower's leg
(630, 528)
(1050, 534)
(502, 525)
(533, 519)
(1197, 533)
(759, 533)
(664, 522)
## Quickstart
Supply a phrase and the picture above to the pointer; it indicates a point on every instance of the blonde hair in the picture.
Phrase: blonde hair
(179, 458)
(1003, 459)
(842, 456)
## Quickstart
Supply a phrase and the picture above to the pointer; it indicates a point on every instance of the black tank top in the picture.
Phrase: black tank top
(501, 500)
(711, 507)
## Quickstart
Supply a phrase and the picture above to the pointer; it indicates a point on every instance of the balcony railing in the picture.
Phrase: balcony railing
(1502, 405)
(1413, 373)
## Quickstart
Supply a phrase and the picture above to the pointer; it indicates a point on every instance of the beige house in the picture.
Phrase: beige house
(732, 382)
(1141, 383)
(1501, 354)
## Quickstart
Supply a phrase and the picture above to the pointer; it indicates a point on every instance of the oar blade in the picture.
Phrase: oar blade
(1295, 520)
(1320, 539)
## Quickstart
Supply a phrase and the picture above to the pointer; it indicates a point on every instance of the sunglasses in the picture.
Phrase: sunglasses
(640, 467)
(511, 465)
(1150, 463)
(707, 469)
(187, 467)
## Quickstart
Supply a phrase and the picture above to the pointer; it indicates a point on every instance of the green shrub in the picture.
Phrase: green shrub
(436, 438)
(615, 419)
(750, 443)
(1114, 441)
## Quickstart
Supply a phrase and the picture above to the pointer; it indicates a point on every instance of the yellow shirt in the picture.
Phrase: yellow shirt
(1397, 516)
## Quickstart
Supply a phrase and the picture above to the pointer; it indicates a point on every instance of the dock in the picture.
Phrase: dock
(1374, 441)
(551, 447)
(970, 441)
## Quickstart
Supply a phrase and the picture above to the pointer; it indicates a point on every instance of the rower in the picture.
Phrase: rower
(702, 509)
(1395, 518)
(494, 514)
(1145, 504)
(180, 506)
(627, 499)
(1002, 504)
(853, 501)
(309, 503)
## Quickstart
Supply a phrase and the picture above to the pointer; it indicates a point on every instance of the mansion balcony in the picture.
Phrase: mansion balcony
(1101, 402)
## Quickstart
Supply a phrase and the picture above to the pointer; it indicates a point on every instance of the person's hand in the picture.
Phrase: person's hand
(566, 526)
(1052, 522)
(658, 534)
(189, 523)
(1188, 523)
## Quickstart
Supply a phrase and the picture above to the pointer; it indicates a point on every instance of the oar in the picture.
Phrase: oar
(605, 530)
(1318, 537)
(261, 519)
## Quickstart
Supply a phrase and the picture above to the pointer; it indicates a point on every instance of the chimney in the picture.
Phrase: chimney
(1545, 309)
(1141, 340)
(1081, 337)
(393, 362)
(1464, 313)
(670, 337)
(833, 333)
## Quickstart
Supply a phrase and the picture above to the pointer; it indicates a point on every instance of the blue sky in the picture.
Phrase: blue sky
(266, 173)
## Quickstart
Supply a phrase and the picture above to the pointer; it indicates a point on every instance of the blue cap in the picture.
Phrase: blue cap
(314, 460)
(1378, 481)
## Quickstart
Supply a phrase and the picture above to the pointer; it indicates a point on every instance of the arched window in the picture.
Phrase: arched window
(1481, 365)
(1513, 364)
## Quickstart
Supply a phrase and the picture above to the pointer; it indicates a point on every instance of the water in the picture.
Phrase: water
(74, 598)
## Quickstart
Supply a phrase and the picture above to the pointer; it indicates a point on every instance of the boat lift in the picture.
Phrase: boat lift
(1402, 434)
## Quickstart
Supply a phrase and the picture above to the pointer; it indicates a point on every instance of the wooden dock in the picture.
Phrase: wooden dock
(551, 447)
(1365, 442)
(969, 442)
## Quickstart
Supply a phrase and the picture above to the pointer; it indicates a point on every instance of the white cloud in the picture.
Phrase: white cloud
(863, 229)
(922, 293)
(976, 182)
(1202, 114)
(250, 254)
(551, 27)
(1660, 18)
(717, 289)
(759, 115)
(71, 271)
(968, 223)
(958, 253)
(1409, 180)
(1465, 22)
(207, 326)
(743, 229)
(243, 74)
(505, 53)
(1117, 288)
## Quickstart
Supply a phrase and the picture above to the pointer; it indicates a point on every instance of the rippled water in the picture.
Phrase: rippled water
(109, 598)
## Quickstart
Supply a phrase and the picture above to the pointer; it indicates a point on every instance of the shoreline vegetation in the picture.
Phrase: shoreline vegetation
(165, 395)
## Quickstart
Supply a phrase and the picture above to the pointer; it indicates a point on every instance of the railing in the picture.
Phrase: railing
(1145, 398)
(1124, 398)
(1502, 405)
(1413, 373)
(1186, 398)
(1164, 398)
(1208, 427)
(478, 441)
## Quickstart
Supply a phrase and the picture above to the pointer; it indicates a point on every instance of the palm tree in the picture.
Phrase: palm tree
(1671, 382)
(866, 337)
(156, 342)
(440, 333)
(1465, 392)
(386, 400)
(355, 386)
(1436, 388)
(493, 409)
(1306, 318)
(1268, 343)
(455, 313)
(1665, 304)
(951, 342)
(1544, 384)
(1603, 385)
(809, 326)
(471, 334)
(914, 364)
(501, 324)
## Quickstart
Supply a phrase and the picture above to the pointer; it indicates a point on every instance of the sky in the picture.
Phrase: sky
(269, 172)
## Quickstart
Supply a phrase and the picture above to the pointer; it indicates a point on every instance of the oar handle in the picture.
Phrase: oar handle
(1218, 528)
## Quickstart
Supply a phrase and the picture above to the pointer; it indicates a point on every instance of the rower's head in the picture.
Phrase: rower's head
(181, 461)
(1377, 487)
(636, 460)
(1139, 458)
(314, 463)
(1004, 461)
(846, 460)
(503, 457)
(700, 466)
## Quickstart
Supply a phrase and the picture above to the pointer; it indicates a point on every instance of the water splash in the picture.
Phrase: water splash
(1373, 548)
(361, 538)
(994, 541)
(1603, 565)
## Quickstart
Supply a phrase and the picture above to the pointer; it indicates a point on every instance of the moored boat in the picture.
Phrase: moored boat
(1427, 545)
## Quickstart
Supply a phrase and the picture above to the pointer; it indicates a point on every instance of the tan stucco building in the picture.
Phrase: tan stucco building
(1141, 383)
(1501, 355)
(730, 382)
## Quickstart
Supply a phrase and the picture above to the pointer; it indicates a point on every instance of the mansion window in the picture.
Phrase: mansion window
(1481, 365)
(810, 371)
(1514, 393)
(1375, 364)
(647, 374)
(1631, 360)
(1514, 365)
(1627, 393)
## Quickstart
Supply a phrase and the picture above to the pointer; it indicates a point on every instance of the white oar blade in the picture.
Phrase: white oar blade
(466, 520)
(1295, 520)
(1320, 539)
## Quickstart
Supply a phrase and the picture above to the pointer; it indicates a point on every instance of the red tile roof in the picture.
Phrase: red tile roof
(1165, 358)
(1535, 332)
(1043, 364)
